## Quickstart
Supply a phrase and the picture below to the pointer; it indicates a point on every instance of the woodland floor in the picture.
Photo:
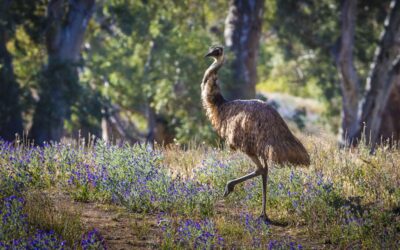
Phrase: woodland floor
(126, 230)
(120, 229)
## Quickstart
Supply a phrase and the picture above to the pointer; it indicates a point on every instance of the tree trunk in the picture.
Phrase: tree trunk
(385, 71)
(117, 128)
(390, 126)
(64, 40)
(242, 37)
(10, 110)
(349, 81)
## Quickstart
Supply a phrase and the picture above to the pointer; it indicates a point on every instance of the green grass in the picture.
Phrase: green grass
(347, 198)
(42, 212)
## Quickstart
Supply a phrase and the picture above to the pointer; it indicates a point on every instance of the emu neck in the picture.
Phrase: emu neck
(211, 95)
(213, 69)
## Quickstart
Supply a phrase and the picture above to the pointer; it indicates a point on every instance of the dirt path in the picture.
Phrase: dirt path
(125, 230)
(120, 229)
(279, 230)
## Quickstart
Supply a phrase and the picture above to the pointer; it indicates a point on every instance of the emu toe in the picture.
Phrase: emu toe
(228, 189)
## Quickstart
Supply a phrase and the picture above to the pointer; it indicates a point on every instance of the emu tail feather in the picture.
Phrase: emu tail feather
(289, 151)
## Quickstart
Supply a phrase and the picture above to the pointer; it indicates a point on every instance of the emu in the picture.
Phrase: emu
(251, 126)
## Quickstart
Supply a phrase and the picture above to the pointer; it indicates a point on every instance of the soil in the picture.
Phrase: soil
(120, 229)
(127, 230)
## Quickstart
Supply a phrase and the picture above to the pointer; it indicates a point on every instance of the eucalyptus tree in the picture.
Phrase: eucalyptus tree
(66, 24)
(242, 33)
(383, 76)
(365, 62)
(10, 108)
(146, 58)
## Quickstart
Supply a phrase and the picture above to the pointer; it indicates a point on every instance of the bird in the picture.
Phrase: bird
(251, 126)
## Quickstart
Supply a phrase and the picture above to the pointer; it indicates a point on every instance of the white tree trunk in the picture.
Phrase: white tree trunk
(385, 71)
(349, 79)
(64, 38)
(242, 37)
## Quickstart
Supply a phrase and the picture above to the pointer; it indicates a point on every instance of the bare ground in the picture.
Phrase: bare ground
(126, 230)
(120, 229)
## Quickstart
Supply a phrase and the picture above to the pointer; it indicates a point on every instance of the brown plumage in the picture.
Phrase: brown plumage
(251, 126)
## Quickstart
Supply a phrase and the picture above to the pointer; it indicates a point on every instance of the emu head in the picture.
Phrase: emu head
(216, 52)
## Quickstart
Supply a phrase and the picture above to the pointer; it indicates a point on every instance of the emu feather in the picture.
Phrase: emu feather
(251, 126)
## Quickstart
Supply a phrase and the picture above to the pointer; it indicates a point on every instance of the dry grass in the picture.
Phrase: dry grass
(42, 212)
(363, 188)
(368, 185)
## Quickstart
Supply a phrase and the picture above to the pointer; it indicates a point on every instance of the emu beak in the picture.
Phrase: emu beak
(209, 54)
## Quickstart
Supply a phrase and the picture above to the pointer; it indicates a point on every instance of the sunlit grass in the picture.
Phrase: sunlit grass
(347, 197)
(41, 211)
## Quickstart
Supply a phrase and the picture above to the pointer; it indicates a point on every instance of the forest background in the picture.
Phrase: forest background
(131, 70)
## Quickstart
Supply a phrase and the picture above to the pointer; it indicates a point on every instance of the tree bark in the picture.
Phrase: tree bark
(385, 71)
(242, 37)
(115, 127)
(10, 110)
(390, 126)
(349, 80)
(64, 38)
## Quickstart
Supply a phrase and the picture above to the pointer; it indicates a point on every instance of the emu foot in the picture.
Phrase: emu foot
(228, 188)
(265, 218)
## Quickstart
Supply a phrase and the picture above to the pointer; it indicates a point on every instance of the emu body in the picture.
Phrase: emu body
(251, 126)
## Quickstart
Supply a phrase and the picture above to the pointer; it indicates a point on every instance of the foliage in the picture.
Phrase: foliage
(147, 56)
(137, 55)
(14, 230)
(93, 240)
(133, 177)
(346, 197)
(256, 228)
(150, 55)
(190, 233)
(47, 214)
(13, 221)
(17, 233)
(301, 49)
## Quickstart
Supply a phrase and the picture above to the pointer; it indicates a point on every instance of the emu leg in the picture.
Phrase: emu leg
(264, 177)
(231, 184)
